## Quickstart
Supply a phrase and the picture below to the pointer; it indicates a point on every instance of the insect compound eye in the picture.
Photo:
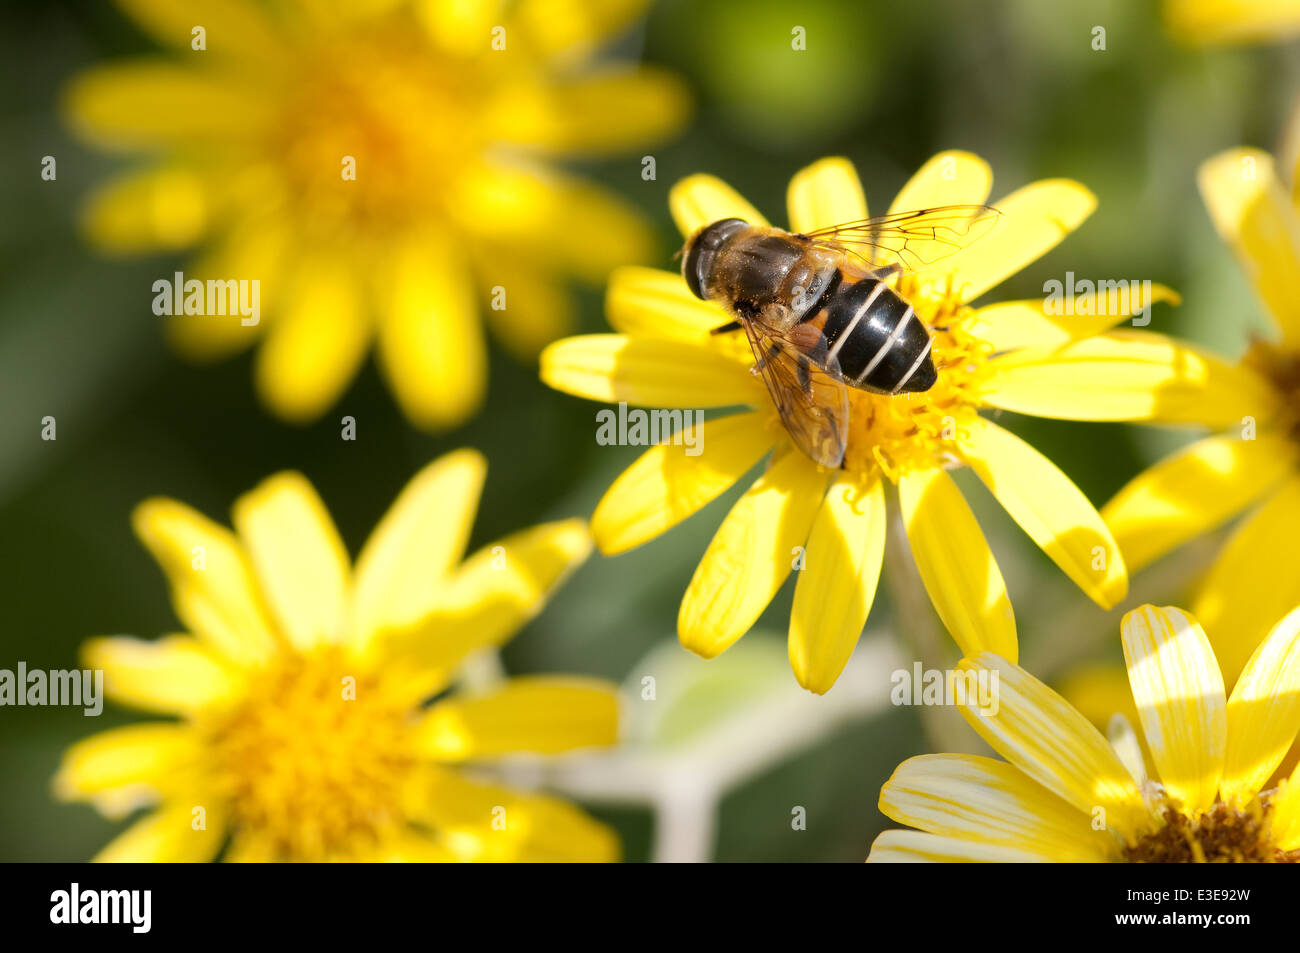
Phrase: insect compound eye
(701, 250)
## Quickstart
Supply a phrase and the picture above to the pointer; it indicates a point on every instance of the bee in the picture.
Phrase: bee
(822, 312)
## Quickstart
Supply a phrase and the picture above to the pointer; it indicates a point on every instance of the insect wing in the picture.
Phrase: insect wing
(906, 243)
(811, 400)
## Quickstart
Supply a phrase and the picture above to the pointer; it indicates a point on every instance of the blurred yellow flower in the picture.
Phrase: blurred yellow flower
(1065, 794)
(1254, 467)
(1212, 22)
(1012, 355)
(301, 731)
(380, 168)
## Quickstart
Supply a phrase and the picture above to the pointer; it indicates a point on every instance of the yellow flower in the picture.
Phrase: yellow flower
(1065, 794)
(1210, 22)
(1010, 355)
(379, 168)
(300, 729)
(1255, 467)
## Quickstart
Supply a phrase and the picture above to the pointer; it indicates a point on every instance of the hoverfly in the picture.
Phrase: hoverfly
(821, 313)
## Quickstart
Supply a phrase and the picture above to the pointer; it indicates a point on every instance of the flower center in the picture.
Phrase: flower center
(313, 759)
(1282, 368)
(1223, 834)
(917, 431)
(372, 131)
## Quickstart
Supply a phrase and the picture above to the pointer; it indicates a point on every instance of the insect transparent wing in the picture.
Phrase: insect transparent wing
(811, 400)
(909, 242)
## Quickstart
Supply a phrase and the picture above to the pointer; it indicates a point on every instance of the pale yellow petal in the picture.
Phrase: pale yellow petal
(416, 544)
(1034, 220)
(917, 847)
(1129, 375)
(570, 30)
(485, 602)
(1252, 584)
(700, 200)
(1049, 507)
(1254, 214)
(159, 209)
(169, 836)
(431, 346)
(837, 584)
(173, 676)
(234, 28)
(299, 558)
(213, 587)
(981, 799)
(648, 302)
(1263, 712)
(122, 769)
(545, 714)
(826, 193)
(1040, 733)
(952, 177)
(1286, 813)
(316, 343)
(670, 482)
(648, 373)
(956, 565)
(538, 309)
(1181, 701)
(1039, 323)
(1206, 22)
(1192, 492)
(750, 556)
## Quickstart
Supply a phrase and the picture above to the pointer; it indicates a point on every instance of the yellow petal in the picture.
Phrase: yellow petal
(168, 836)
(600, 113)
(1251, 584)
(981, 799)
(667, 484)
(430, 339)
(1040, 733)
(826, 193)
(1192, 492)
(1203, 22)
(750, 556)
(1263, 712)
(232, 27)
(486, 601)
(416, 544)
(917, 847)
(956, 564)
(1129, 375)
(952, 177)
(480, 821)
(700, 200)
(569, 30)
(1034, 220)
(172, 676)
(537, 713)
(1254, 215)
(648, 302)
(1181, 702)
(1285, 809)
(159, 209)
(315, 345)
(213, 588)
(122, 769)
(252, 248)
(1037, 323)
(299, 558)
(149, 102)
(838, 583)
(539, 309)
(649, 373)
(1050, 508)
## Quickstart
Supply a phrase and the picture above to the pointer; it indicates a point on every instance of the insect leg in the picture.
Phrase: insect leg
(727, 328)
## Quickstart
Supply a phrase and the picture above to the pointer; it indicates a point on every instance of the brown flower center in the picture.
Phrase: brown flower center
(1222, 835)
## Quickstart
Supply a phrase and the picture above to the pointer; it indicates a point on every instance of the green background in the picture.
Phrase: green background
(887, 85)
